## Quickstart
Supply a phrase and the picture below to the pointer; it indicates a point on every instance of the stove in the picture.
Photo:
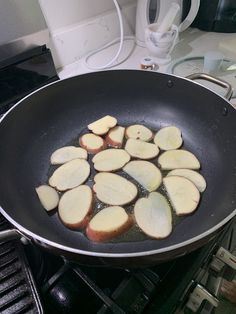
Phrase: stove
(35, 281)
(189, 283)
(23, 73)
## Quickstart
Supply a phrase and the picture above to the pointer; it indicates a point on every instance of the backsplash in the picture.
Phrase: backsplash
(80, 26)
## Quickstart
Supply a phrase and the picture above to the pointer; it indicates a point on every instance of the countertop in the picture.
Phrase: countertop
(191, 43)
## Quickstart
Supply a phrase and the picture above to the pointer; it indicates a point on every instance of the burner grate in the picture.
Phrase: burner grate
(18, 293)
(90, 290)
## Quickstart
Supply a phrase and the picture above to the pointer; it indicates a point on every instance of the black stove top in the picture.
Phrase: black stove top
(24, 73)
(40, 282)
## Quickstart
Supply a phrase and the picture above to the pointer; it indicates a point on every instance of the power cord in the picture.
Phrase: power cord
(121, 39)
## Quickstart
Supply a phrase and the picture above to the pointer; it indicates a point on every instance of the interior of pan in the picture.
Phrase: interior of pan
(56, 115)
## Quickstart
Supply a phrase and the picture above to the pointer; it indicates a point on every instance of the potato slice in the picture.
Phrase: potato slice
(92, 143)
(67, 153)
(153, 215)
(113, 189)
(176, 159)
(75, 207)
(145, 173)
(139, 132)
(140, 149)
(183, 194)
(191, 175)
(110, 159)
(102, 126)
(168, 138)
(115, 137)
(48, 197)
(70, 174)
(109, 223)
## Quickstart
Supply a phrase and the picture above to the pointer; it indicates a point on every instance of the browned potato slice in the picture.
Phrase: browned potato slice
(183, 194)
(48, 197)
(145, 173)
(67, 153)
(75, 207)
(70, 174)
(113, 189)
(102, 126)
(140, 149)
(109, 223)
(139, 132)
(168, 138)
(153, 215)
(115, 137)
(92, 143)
(110, 159)
(191, 175)
(176, 159)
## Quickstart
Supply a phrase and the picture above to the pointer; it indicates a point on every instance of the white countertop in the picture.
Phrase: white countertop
(192, 42)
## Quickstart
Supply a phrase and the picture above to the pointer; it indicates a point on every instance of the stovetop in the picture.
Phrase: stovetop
(24, 73)
(35, 281)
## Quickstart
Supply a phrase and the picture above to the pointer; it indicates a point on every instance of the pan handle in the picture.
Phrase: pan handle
(212, 79)
(10, 234)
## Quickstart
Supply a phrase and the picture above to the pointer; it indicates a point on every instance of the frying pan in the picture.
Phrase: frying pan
(57, 114)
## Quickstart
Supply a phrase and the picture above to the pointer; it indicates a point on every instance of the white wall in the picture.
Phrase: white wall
(62, 13)
(76, 26)
(80, 26)
(19, 18)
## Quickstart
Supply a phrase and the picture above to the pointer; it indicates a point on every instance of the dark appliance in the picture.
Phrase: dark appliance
(22, 73)
(216, 16)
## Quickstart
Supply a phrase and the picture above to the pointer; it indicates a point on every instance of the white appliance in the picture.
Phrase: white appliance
(154, 11)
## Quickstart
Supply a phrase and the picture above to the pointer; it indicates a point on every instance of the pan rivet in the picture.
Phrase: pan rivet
(170, 83)
(224, 111)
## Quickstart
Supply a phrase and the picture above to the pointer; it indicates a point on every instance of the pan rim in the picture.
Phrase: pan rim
(114, 70)
(50, 243)
(26, 232)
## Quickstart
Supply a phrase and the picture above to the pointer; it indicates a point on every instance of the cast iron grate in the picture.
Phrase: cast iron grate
(18, 293)
(91, 290)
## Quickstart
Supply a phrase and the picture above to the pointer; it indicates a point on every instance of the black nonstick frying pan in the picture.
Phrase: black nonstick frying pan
(57, 114)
